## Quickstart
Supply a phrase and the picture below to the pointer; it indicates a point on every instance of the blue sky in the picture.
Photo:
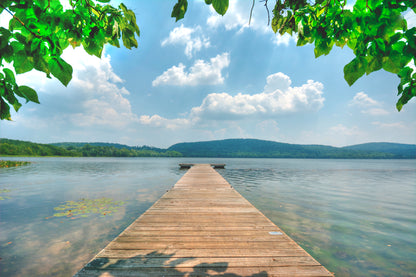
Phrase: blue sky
(209, 77)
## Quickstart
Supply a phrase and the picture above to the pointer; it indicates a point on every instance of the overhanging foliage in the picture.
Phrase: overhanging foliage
(40, 30)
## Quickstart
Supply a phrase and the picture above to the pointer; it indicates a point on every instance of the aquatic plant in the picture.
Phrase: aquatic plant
(86, 207)
(4, 191)
(12, 163)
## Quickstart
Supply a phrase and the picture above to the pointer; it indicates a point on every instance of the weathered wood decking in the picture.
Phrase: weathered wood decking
(203, 227)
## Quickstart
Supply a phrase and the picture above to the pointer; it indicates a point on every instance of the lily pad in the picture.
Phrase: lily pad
(7, 164)
(4, 191)
(86, 207)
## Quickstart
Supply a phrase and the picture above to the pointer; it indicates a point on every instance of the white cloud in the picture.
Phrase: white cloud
(238, 17)
(368, 105)
(341, 129)
(201, 73)
(158, 121)
(363, 100)
(283, 39)
(278, 81)
(94, 97)
(410, 17)
(192, 38)
(375, 111)
(5, 19)
(104, 100)
(393, 125)
(277, 98)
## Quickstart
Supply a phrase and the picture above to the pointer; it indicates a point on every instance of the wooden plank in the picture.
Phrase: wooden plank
(196, 253)
(219, 270)
(156, 245)
(113, 263)
(203, 227)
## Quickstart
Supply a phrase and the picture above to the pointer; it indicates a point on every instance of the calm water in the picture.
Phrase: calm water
(357, 217)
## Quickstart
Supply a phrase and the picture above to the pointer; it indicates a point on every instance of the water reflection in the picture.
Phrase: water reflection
(32, 243)
(357, 217)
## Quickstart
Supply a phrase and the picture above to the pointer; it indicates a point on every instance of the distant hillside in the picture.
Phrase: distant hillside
(229, 148)
(72, 149)
(397, 149)
(105, 144)
(252, 148)
(27, 148)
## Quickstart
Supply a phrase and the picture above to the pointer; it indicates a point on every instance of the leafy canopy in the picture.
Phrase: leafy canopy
(39, 32)
(375, 30)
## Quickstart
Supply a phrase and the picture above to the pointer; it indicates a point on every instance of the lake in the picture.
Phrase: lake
(356, 217)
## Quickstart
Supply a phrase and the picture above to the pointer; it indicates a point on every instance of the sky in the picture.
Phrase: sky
(210, 77)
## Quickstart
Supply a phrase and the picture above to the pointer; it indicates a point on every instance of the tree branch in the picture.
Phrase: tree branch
(251, 12)
(268, 13)
(20, 21)
(368, 7)
(48, 6)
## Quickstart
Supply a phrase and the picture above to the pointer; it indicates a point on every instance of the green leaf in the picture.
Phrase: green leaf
(128, 37)
(354, 70)
(41, 64)
(208, 2)
(374, 64)
(29, 93)
(322, 47)
(220, 6)
(399, 105)
(277, 23)
(4, 110)
(392, 62)
(61, 70)
(179, 9)
(23, 63)
(9, 96)
(9, 76)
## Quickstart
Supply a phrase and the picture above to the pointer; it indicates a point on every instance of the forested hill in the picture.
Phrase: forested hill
(252, 148)
(70, 149)
(229, 148)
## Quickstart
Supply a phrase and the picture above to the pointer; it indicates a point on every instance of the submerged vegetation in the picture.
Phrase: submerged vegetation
(4, 191)
(86, 207)
(12, 163)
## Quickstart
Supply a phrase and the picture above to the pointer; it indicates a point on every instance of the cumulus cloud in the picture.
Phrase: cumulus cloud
(363, 100)
(201, 73)
(191, 38)
(158, 121)
(235, 18)
(238, 16)
(94, 97)
(278, 98)
(368, 105)
(104, 97)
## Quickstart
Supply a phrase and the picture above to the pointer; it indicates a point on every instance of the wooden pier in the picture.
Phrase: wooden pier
(203, 227)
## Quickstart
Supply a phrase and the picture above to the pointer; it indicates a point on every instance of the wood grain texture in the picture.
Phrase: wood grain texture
(203, 227)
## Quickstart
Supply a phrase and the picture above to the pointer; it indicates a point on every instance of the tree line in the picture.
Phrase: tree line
(24, 148)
